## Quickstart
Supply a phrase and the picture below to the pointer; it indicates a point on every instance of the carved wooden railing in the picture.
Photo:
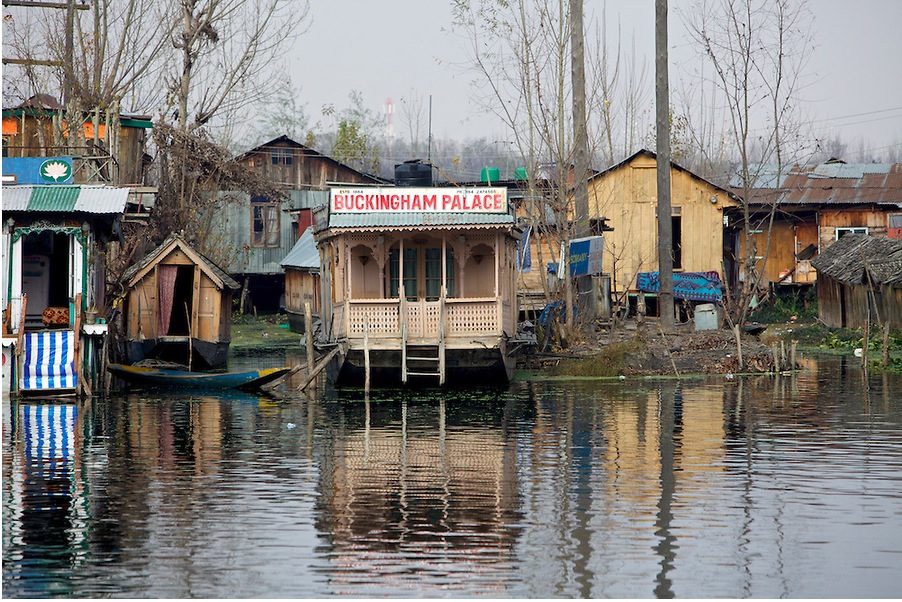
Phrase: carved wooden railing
(462, 317)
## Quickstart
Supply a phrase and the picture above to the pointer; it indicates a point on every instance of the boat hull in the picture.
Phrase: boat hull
(159, 377)
(203, 354)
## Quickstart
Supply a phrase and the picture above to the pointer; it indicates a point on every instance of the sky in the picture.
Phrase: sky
(391, 48)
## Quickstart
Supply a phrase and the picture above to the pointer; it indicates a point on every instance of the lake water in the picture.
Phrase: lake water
(746, 487)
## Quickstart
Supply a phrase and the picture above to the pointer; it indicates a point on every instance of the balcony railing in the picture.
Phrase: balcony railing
(463, 318)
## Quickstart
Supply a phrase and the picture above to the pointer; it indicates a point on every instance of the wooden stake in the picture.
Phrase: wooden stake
(308, 336)
(366, 352)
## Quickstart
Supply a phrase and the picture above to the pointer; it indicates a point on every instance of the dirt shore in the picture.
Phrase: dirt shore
(633, 349)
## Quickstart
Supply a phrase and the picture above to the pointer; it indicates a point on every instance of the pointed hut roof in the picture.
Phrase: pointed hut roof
(173, 242)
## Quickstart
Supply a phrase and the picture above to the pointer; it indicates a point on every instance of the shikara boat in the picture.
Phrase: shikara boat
(164, 377)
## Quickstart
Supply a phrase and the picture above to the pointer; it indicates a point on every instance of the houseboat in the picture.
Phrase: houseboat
(178, 307)
(55, 240)
(419, 284)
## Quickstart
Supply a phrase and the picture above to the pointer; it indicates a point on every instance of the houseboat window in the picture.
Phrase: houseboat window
(840, 232)
(410, 273)
(433, 261)
(281, 156)
(265, 220)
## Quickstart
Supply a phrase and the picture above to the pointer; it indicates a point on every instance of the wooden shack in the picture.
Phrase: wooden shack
(419, 283)
(178, 307)
(301, 267)
(625, 195)
(860, 281)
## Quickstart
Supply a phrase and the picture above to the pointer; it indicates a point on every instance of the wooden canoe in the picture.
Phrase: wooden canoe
(162, 377)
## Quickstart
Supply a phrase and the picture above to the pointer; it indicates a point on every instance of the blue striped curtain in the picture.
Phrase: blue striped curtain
(49, 360)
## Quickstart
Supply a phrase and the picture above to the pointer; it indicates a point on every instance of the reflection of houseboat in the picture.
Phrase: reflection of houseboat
(419, 283)
(178, 307)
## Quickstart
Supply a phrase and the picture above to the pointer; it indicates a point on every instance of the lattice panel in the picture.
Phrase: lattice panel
(383, 320)
(473, 317)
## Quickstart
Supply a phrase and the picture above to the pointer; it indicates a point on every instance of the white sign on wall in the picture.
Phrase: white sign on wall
(403, 199)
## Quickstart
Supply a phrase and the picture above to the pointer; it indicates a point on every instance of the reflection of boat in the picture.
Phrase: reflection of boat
(164, 377)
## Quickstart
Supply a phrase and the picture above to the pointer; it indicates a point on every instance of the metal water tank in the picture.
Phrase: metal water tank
(413, 173)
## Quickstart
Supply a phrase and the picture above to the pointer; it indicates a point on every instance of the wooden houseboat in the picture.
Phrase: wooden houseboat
(55, 242)
(178, 307)
(419, 284)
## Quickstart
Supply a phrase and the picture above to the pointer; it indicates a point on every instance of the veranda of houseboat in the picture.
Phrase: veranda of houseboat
(422, 294)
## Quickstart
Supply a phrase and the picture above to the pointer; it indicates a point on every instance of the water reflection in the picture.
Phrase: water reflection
(752, 487)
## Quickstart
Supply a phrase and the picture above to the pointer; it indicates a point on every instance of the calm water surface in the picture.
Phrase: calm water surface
(750, 487)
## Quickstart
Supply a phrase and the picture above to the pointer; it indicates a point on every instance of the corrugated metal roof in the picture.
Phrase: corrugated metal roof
(15, 198)
(53, 198)
(834, 183)
(418, 220)
(102, 199)
(304, 254)
(56, 198)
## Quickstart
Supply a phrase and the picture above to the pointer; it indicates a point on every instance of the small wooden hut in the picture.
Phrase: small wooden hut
(301, 267)
(178, 307)
(419, 283)
(860, 281)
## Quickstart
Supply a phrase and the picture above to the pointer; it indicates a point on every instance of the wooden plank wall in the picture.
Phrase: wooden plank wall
(627, 196)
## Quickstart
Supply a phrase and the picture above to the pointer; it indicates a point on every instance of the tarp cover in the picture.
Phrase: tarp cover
(690, 286)
(49, 360)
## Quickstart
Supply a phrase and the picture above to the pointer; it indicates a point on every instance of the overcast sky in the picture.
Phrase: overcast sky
(386, 48)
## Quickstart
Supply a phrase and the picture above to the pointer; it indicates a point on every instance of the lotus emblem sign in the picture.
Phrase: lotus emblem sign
(56, 171)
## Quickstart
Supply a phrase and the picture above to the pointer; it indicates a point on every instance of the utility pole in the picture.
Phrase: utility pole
(665, 223)
(580, 137)
(580, 157)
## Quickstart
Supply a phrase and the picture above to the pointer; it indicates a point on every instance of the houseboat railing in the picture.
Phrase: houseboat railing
(423, 319)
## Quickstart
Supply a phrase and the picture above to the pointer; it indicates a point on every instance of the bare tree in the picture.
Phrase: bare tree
(757, 50)
(96, 60)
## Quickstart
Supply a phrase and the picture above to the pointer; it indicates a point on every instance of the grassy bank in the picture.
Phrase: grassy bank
(264, 331)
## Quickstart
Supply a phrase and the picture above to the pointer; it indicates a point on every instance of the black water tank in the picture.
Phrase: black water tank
(413, 173)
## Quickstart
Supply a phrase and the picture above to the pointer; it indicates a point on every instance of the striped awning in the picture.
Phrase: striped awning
(63, 198)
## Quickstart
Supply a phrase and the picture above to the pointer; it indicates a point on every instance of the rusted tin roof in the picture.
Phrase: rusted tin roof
(830, 183)
(858, 259)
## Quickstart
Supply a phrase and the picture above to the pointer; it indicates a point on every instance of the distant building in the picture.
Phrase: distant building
(265, 230)
(816, 205)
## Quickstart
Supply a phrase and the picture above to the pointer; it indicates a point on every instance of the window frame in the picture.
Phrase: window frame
(269, 235)
(840, 232)
(282, 156)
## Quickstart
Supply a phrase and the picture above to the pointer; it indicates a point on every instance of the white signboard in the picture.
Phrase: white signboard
(403, 199)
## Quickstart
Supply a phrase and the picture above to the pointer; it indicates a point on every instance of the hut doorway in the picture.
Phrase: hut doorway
(176, 299)
(48, 278)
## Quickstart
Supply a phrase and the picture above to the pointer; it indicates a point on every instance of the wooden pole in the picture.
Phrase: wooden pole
(20, 340)
(662, 117)
(319, 368)
(366, 352)
(190, 344)
(308, 336)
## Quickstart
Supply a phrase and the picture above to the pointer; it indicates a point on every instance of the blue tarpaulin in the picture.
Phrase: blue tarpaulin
(690, 286)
